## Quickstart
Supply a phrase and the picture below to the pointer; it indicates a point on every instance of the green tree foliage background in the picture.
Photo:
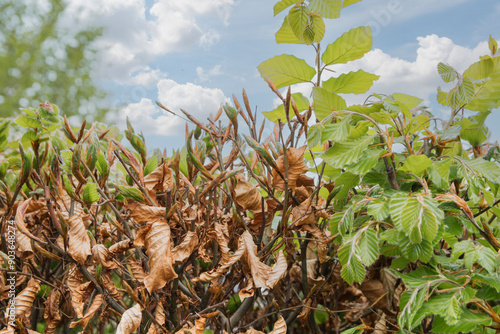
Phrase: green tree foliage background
(41, 61)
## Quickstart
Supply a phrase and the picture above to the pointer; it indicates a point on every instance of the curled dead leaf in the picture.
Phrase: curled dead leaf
(183, 251)
(159, 317)
(52, 308)
(120, 247)
(20, 213)
(279, 326)
(296, 167)
(131, 320)
(137, 270)
(24, 300)
(263, 276)
(158, 249)
(103, 256)
(78, 239)
(94, 307)
(248, 196)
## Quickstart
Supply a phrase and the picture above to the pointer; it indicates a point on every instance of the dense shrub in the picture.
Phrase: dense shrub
(322, 227)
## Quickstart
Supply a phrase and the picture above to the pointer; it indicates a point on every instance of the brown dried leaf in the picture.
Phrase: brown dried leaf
(296, 167)
(103, 256)
(8, 330)
(381, 326)
(279, 326)
(160, 257)
(137, 270)
(321, 241)
(145, 213)
(78, 239)
(183, 251)
(24, 300)
(263, 276)
(131, 320)
(160, 179)
(110, 286)
(304, 214)
(227, 259)
(23, 246)
(52, 315)
(253, 331)
(78, 298)
(159, 317)
(96, 305)
(20, 213)
(375, 293)
(248, 196)
(199, 325)
(120, 247)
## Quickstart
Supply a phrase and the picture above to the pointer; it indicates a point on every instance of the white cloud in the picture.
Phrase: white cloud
(197, 100)
(133, 37)
(209, 39)
(206, 75)
(151, 120)
(148, 77)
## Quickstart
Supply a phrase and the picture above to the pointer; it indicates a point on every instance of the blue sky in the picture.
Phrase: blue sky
(195, 54)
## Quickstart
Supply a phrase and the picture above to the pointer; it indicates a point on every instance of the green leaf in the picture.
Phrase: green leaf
(351, 45)
(325, 102)
(488, 169)
(379, 209)
(90, 194)
(367, 162)
(406, 102)
(282, 5)
(28, 122)
(357, 329)
(486, 74)
(102, 164)
(298, 19)
(279, 113)
(338, 131)
(345, 153)
(447, 73)
(329, 9)
(442, 97)
(462, 94)
(348, 181)
(416, 164)
(352, 268)
(285, 70)
(351, 83)
(318, 26)
(350, 2)
(487, 258)
(320, 316)
(492, 45)
(467, 322)
(314, 135)
(285, 34)
(132, 193)
(473, 129)
(368, 247)
(414, 252)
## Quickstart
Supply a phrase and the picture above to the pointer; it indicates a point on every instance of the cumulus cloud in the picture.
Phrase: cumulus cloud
(134, 35)
(196, 100)
(147, 77)
(151, 120)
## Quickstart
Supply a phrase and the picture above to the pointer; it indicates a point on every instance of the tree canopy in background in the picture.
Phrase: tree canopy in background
(42, 61)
